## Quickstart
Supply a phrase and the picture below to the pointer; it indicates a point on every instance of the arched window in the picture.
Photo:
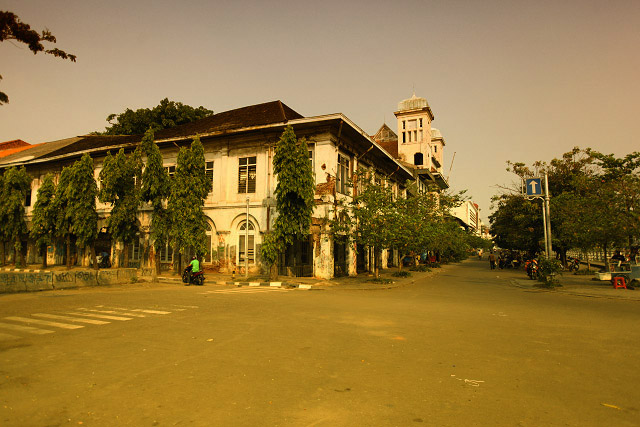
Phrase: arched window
(417, 159)
(210, 244)
(246, 238)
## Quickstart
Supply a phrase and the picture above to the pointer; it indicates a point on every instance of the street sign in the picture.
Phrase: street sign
(533, 186)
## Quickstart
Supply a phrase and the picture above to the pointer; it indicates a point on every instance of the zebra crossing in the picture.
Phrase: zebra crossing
(16, 327)
(247, 290)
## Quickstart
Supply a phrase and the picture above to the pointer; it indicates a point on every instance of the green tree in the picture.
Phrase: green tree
(376, 217)
(120, 186)
(294, 193)
(516, 223)
(82, 193)
(16, 183)
(186, 200)
(62, 208)
(165, 115)
(11, 28)
(155, 190)
(43, 222)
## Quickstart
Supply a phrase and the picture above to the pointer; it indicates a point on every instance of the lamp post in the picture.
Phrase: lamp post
(246, 243)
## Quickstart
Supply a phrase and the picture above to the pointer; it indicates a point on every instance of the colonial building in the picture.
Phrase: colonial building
(239, 147)
(416, 144)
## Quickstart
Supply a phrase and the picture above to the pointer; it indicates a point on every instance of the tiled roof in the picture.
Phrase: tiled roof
(254, 115)
(16, 143)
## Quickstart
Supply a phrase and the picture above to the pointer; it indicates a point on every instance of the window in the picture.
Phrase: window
(418, 159)
(27, 200)
(242, 241)
(343, 174)
(435, 148)
(211, 249)
(404, 137)
(171, 170)
(208, 172)
(409, 135)
(420, 122)
(419, 135)
(247, 175)
(311, 159)
(166, 253)
(411, 125)
(404, 125)
(134, 249)
(415, 135)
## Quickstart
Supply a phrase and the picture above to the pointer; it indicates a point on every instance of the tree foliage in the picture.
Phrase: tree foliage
(82, 194)
(186, 200)
(43, 222)
(12, 28)
(120, 186)
(294, 195)
(15, 185)
(166, 114)
(595, 201)
(155, 190)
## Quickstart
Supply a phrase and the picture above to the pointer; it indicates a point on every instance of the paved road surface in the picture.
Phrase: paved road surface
(462, 348)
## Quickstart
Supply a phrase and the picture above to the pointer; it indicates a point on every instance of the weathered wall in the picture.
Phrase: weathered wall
(30, 281)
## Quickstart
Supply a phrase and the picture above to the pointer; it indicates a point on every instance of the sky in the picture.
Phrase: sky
(506, 80)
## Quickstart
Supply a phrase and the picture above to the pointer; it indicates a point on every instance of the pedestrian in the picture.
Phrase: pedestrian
(480, 253)
(492, 260)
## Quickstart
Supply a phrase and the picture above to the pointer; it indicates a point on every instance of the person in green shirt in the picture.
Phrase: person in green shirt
(195, 265)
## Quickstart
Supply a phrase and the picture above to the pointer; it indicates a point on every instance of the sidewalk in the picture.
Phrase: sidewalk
(363, 281)
(581, 285)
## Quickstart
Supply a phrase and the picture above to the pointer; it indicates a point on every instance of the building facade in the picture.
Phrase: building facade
(239, 147)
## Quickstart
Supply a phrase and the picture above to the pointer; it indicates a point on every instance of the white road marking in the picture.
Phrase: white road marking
(28, 329)
(251, 290)
(8, 337)
(112, 312)
(151, 311)
(100, 316)
(71, 319)
(43, 322)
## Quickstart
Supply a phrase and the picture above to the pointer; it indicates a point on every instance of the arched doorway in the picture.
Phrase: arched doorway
(246, 243)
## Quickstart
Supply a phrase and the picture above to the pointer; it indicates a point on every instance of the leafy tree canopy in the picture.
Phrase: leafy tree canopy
(165, 115)
(11, 28)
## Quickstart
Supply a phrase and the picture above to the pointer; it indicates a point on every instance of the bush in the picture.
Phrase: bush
(380, 280)
(422, 268)
(401, 274)
(548, 269)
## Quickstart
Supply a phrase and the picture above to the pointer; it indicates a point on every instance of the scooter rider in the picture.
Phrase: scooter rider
(193, 268)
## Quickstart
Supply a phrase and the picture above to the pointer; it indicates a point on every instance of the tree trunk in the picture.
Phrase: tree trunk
(44, 257)
(4, 253)
(377, 256)
(157, 265)
(586, 256)
(606, 260)
(15, 256)
(273, 272)
(125, 261)
(179, 263)
(23, 261)
(68, 243)
(94, 258)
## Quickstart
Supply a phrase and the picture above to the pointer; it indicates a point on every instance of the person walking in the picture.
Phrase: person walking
(492, 260)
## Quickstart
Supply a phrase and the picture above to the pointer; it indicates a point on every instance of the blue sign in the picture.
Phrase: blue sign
(533, 186)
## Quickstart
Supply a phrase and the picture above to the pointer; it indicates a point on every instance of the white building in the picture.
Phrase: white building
(239, 147)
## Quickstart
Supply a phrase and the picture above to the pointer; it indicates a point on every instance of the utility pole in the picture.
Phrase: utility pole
(246, 243)
(548, 215)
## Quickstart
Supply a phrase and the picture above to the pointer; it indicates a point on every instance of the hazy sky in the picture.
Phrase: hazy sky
(506, 80)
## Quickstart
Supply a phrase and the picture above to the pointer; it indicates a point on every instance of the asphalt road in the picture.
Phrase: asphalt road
(462, 348)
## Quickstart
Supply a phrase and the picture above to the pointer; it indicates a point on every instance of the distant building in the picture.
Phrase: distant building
(468, 215)
(11, 147)
(416, 144)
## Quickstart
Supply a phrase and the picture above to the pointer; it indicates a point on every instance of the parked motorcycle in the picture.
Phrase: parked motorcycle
(103, 260)
(531, 267)
(189, 278)
(573, 263)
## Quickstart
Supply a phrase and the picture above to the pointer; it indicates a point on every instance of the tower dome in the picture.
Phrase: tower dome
(413, 103)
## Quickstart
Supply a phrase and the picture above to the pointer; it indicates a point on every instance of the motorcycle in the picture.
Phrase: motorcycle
(189, 278)
(531, 267)
(574, 264)
(103, 260)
